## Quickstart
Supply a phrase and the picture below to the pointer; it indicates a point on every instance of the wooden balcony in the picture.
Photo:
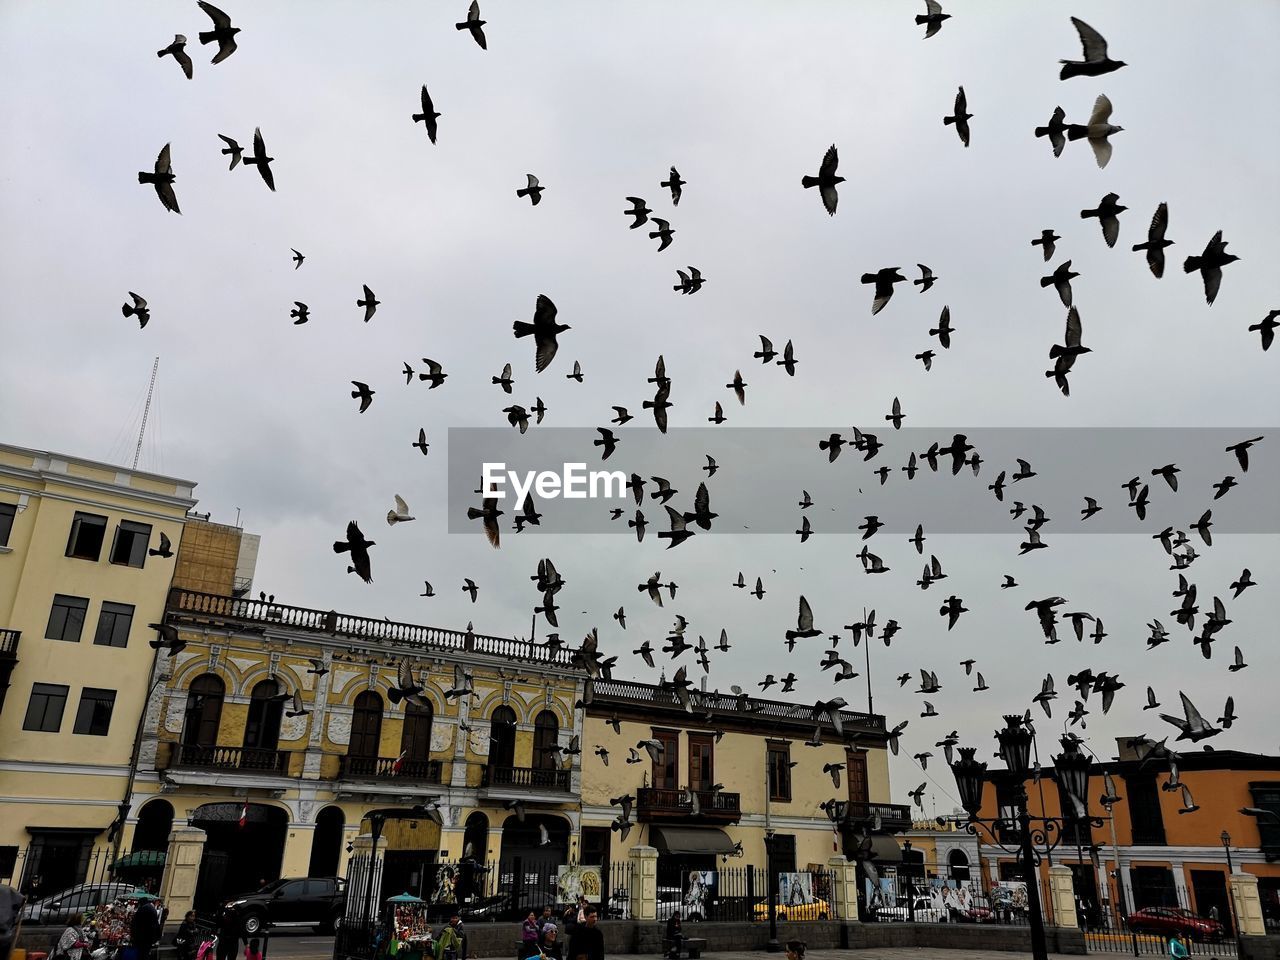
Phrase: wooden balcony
(530, 778)
(238, 759)
(660, 804)
(384, 769)
(894, 817)
(193, 607)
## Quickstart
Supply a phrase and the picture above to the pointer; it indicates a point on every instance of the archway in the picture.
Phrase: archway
(533, 866)
(326, 843)
(144, 866)
(243, 850)
(958, 866)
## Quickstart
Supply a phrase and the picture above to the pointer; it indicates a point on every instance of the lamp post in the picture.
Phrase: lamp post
(911, 882)
(1015, 749)
(773, 946)
(1072, 769)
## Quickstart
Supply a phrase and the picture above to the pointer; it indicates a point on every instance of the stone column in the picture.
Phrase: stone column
(182, 870)
(644, 883)
(1062, 896)
(844, 889)
(1244, 897)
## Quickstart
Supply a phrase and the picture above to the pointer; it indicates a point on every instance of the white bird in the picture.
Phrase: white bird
(400, 514)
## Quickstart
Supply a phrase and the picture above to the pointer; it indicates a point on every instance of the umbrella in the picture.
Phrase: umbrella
(138, 895)
(405, 898)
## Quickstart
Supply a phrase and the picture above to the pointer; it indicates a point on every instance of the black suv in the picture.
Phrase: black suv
(292, 902)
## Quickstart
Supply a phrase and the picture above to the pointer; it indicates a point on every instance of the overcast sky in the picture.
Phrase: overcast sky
(599, 100)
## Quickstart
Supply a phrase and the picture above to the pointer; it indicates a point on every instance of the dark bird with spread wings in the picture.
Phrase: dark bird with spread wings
(826, 180)
(544, 331)
(162, 179)
(358, 547)
(223, 32)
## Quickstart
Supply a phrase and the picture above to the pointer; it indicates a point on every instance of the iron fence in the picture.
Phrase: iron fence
(741, 893)
(64, 876)
(1157, 914)
(923, 897)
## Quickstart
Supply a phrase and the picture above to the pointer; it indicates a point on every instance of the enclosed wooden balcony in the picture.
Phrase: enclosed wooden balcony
(894, 817)
(660, 804)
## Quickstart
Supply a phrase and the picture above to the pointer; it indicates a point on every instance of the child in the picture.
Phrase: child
(253, 950)
(795, 950)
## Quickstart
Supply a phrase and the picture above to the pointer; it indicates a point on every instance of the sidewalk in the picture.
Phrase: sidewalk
(875, 953)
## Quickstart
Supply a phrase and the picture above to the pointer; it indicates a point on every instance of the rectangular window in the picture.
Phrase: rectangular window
(1144, 809)
(1266, 796)
(44, 710)
(94, 716)
(780, 772)
(701, 761)
(7, 512)
(666, 775)
(855, 768)
(1007, 811)
(8, 863)
(88, 530)
(113, 624)
(66, 618)
(130, 546)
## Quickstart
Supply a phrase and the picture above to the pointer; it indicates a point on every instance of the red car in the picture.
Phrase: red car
(1166, 921)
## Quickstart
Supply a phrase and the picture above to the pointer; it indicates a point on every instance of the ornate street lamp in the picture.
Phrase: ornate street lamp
(1072, 768)
(1015, 741)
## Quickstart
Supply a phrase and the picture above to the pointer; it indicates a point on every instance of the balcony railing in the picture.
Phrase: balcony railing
(654, 803)
(384, 768)
(191, 605)
(244, 759)
(893, 816)
(9, 644)
(527, 777)
(622, 691)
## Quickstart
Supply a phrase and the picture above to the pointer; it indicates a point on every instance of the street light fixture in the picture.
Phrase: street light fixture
(1015, 741)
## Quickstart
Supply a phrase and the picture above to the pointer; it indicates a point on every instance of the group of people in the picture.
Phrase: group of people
(540, 935)
(82, 939)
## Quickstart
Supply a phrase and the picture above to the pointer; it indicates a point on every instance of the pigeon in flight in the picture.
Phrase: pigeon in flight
(544, 331)
(178, 51)
(927, 279)
(533, 190)
(1056, 131)
(1209, 263)
(1266, 328)
(1046, 241)
(421, 442)
(358, 547)
(260, 160)
(1095, 62)
(469, 587)
(504, 380)
(223, 32)
(1241, 450)
(162, 179)
(1155, 240)
(961, 117)
(428, 115)
(766, 353)
(826, 180)
(137, 309)
(638, 210)
(1098, 130)
(788, 361)
(676, 185)
(297, 258)
(364, 394)
(1064, 356)
(474, 24)
(1191, 724)
(804, 624)
(235, 152)
(944, 329)
(435, 373)
(1107, 212)
(884, 279)
(1061, 279)
(488, 513)
(400, 514)
(165, 550)
(370, 303)
(931, 20)
(690, 282)
(664, 233)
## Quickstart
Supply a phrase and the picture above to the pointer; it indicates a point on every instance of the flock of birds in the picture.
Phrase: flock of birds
(544, 330)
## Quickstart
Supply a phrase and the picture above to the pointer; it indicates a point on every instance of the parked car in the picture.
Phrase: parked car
(925, 912)
(73, 902)
(816, 909)
(293, 902)
(1167, 921)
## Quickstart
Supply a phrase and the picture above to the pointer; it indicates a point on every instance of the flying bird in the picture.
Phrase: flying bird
(1046, 242)
(363, 393)
(789, 361)
(1056, 131)
(297, 258)
(676, 185)
(944, 329)
(138, 308)
(474, 24)
(931, 20)
(162, 179)
(488, 513)
(428, 116)
(1209, 263)
(961, 117)
(469, 587)
(1266, 328)
(235, 152)
(421, 442)
(664, 233)
(884, 279)
(1156, 242)
(223, 32)
(544, 331)
(400, 514)
(639, 210)
(370, 303)
(826, 180)
(1095, 62)
(260, 160)
(1107, 213)
(927, 279)
(690, 282)
(1098, 130)
(1061, 279)
(533, 190)
(165, 550)
(358, 547)
(178, 51)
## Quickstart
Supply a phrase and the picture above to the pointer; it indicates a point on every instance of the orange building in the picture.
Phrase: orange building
(1167, 855)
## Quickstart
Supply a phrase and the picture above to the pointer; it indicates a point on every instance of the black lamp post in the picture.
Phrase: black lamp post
(1072, 769)
(773, 946)
(910, 866)
(1015, 749)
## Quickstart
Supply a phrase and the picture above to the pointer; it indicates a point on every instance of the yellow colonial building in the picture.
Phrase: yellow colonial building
(755, 771)
(79, 582)
(280, 730)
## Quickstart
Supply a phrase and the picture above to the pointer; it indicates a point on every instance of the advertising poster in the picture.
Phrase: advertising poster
(697, 893)
(795, 889)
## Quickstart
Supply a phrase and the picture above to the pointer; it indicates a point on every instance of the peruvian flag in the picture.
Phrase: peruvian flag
(244, 815)
(395, 767)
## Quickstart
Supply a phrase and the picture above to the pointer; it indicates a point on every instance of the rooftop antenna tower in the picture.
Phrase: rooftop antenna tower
(137, 451)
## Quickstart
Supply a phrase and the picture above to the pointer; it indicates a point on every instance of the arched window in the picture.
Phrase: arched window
(262, 729)
(475, 838)
(912, 868)
(366, 725)
(546, 731)
(415, 736)
(204, 711)
(958, 865)
(155, 821)
(326, 843)
(502, 738)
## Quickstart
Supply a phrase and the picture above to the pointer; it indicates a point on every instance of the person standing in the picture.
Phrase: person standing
(546, 922)
(144, 929)
(72, 943)
(529, 935)
(587, 940)
(187, 939)
(1177, 949)
(228, 935)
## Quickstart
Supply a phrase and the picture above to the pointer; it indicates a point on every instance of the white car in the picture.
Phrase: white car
(925, 912)
(72, 903)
